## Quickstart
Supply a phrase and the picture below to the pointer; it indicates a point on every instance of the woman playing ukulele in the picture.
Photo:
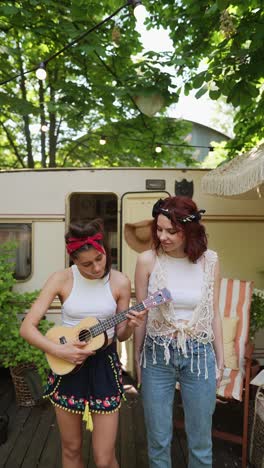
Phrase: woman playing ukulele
(88, 288)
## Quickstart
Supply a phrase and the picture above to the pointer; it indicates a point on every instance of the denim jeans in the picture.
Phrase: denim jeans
(198, 397)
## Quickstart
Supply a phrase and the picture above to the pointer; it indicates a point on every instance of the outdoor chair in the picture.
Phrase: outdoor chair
(234, 305)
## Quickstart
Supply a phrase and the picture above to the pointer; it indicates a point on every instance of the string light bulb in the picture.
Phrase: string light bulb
(41, 72)
(140, 11)
(158, 149)
(44, 127)
(102, 140)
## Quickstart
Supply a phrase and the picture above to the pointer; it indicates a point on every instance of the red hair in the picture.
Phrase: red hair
(194, 231)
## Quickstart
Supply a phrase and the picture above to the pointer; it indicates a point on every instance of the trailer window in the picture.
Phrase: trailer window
(21, 235)
(88, 206)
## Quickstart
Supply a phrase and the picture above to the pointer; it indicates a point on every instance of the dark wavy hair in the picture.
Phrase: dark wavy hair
(194, 231)
(80, 229)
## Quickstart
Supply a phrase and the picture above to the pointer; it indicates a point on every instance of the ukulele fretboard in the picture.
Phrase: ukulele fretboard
(101, 327)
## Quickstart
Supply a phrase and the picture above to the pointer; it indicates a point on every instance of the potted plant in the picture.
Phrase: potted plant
(256, 322)
(256, 313)
(28, 366)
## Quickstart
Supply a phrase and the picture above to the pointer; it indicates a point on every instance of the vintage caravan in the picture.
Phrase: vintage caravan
(36, 207)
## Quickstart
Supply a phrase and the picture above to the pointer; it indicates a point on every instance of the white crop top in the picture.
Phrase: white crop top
(184, 281)
(88, 298)
(192, 288)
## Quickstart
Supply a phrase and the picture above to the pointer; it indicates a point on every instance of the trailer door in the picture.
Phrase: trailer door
(86, 206)
(136, 212)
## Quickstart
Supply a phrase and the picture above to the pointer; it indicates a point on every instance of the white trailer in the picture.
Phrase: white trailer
(36, 207)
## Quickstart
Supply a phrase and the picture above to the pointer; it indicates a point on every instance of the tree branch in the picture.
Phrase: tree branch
(121, 83)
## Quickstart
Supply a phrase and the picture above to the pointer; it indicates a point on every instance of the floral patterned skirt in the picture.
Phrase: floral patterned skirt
(97, 384)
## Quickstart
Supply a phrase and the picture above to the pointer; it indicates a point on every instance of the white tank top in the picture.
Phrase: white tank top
(184, 281)
(88, 298)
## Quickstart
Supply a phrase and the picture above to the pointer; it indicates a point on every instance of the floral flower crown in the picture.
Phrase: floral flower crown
(157, 209)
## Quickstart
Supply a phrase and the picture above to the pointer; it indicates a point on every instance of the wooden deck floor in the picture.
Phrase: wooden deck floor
(33, 440)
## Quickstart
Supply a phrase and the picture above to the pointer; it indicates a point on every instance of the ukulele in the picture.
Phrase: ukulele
(93, 331)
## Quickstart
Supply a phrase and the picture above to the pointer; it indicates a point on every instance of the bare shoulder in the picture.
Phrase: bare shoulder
(120, 284)
(147, 258)
(120, 279)
(58, 279)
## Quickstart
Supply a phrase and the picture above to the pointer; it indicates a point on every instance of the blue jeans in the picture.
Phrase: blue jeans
(198, 397)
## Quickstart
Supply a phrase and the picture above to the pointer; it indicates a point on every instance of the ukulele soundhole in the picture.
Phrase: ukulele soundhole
(85, 335)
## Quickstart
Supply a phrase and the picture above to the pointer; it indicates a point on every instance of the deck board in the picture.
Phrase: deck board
(27, 429)
(40, 435)
(140, 436)
(33, 437)
(17, 420)
(51, 449)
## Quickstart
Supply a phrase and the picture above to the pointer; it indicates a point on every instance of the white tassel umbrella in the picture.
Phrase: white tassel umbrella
(242, 177)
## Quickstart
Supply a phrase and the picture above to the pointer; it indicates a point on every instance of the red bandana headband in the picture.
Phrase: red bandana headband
(75, 243)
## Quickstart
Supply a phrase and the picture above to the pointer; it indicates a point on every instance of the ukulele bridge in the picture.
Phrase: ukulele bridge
(62, 340)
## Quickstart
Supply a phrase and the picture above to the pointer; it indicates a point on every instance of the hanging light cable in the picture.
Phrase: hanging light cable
(135, 3)
(158, 147)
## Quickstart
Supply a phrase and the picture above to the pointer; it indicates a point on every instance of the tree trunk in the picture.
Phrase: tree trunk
(42, 122)
(30, 160)
(52, 132)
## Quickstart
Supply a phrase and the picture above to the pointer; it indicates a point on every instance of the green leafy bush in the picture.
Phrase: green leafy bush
(256, 312)
(14, 350)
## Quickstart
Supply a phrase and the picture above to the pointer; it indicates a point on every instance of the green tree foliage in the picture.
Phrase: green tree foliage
(256, 312)
(218, 49)
(90, 85)
(225, 41)
(132, 143)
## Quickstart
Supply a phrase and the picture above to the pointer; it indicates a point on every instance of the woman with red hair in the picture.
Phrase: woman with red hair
(180, 341)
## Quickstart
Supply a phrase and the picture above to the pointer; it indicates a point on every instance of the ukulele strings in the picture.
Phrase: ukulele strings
(100, 327)
(119, 317)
